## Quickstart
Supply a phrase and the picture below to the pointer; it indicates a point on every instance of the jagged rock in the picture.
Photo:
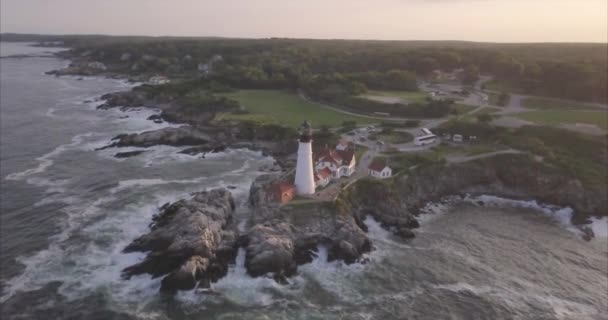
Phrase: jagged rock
(181, 136)
(188, 240)
(128, 154)
(283, 237)
(187, 276)
(126, 99)
(212, 148)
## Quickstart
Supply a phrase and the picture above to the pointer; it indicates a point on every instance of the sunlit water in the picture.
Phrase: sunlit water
(67, 211)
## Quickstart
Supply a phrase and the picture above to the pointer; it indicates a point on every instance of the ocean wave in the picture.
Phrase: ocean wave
(45, 161)
(562, 215)
(522, 299)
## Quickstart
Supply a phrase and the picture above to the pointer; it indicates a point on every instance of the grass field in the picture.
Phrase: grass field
(393, 137)
(462, 108)
(546, 103)
(405, 96)
(473, 116)
(556, 117)
(278, 107)
(502, 86)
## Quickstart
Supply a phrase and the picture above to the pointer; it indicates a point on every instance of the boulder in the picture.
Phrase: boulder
(187, 240)
(181, 136)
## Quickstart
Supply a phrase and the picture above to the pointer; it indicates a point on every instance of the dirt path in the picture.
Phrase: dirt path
(463, 158)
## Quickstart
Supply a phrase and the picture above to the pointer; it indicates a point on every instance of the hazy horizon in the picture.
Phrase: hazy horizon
(458, 20)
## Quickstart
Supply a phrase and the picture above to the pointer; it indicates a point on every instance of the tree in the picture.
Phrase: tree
(471, 74)
(484, 118)
(411, 123)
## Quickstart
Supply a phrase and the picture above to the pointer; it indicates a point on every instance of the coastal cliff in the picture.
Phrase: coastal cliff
(516, 176)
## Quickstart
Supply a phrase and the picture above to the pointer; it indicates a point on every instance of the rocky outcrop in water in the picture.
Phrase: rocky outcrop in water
(283, 237)
(128, 154)
(189, 241)
(125, 99)
(182, 136)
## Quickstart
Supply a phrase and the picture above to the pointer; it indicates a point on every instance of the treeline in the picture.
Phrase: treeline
(575, 71)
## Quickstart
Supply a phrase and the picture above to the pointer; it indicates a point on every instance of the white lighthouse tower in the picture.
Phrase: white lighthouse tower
(305, 182)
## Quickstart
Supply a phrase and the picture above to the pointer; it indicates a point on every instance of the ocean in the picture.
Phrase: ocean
(67, 211)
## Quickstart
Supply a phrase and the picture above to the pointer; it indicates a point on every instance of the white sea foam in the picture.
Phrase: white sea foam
(562, 215)
(600, 227)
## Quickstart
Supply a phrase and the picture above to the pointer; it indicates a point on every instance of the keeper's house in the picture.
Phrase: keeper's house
(379, 169)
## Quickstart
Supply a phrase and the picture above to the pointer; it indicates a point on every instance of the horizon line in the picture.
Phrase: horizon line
(286, 38)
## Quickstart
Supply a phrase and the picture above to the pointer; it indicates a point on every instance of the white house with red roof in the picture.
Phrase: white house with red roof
(341, 163)
(379, 169)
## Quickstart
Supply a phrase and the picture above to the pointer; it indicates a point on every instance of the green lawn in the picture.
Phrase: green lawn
(502, 86)
(406, 96)
(556, 117)
(546, 103)
(462, 108)
(473, 116)
(393, 137)
(278, 107)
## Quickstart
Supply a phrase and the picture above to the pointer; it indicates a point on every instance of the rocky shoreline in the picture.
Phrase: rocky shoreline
(193, 241)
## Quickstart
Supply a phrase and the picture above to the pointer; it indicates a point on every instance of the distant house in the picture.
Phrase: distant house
(379, 169)
(157, 80)
(322, 177)
(282, 192)
(340, 163)
(342, 145)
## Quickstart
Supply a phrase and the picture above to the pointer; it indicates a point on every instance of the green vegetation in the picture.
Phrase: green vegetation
(392, 136)
(546, 103)
(475, 117)
(574, 71)
(557, 117)
(579, 155)
(462, 108)
(402, 162)
(502, 86)
(278, 107)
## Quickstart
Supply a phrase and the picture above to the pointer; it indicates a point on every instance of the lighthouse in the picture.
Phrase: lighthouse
(305, 182)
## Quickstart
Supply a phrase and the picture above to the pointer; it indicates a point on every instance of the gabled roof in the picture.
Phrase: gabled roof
(346, 155)
(330, 156)
(377, 165)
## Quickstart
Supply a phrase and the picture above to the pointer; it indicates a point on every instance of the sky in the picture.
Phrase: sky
(473, 20)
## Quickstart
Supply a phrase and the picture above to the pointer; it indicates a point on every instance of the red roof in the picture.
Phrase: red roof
(377, 165)
(324, 173)
(331, 156)
(347, 156)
